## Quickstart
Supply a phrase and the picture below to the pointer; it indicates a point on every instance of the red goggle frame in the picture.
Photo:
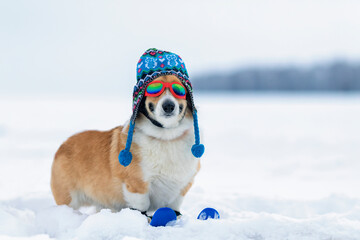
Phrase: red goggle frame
(156, 88)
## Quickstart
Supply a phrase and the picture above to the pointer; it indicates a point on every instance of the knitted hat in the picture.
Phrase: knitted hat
(152, 64)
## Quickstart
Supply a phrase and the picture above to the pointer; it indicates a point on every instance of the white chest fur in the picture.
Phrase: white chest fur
(168, 166)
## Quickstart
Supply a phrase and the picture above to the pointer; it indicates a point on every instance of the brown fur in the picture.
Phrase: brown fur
(88, 162)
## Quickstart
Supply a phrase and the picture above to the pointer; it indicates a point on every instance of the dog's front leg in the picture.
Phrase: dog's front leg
(175, 205)
(136, 195)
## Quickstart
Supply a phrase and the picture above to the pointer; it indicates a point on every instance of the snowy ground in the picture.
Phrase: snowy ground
(276, 167)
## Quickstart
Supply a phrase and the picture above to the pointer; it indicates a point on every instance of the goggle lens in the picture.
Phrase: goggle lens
(178, 89)
(154, 88)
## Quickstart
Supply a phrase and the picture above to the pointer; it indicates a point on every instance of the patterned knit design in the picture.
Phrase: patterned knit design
(154, 63)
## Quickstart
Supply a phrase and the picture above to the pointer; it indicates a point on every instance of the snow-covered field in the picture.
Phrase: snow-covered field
(276, 167)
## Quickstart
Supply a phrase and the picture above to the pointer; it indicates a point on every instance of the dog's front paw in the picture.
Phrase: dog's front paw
(178, 214)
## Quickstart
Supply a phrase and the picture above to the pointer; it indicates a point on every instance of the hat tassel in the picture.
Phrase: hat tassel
(125, 155)
(197, 149)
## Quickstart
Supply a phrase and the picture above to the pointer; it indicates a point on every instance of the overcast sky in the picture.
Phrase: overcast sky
(90, 46)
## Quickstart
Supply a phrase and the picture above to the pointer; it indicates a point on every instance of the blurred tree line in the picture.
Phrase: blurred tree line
(335, 76)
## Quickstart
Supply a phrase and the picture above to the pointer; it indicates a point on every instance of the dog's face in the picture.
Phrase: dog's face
(166, 109)
(165, 112)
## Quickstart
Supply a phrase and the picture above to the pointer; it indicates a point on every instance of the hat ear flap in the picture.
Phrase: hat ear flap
(142, 108)
(189, 102)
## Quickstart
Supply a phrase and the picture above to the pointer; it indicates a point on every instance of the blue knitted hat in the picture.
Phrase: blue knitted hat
(152, 64)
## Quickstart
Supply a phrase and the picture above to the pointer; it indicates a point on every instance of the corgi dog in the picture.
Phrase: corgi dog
(86, 168)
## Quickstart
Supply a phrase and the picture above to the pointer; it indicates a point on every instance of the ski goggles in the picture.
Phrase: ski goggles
(156, 88)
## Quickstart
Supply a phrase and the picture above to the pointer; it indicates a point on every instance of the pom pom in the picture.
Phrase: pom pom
(163, 216)
(125, 157)
(198, 150)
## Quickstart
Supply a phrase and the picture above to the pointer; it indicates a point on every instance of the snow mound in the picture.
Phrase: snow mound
(61, 222)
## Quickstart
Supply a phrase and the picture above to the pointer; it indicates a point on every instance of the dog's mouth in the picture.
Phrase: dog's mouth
(168, 115)
(165, 113)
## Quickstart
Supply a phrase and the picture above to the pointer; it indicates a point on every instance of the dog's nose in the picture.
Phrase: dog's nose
(168, 106)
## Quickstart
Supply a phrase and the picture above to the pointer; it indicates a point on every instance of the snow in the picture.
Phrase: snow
(275, 167)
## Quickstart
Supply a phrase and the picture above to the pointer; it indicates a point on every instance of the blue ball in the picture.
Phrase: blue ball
(208, 213)
(163, 216)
